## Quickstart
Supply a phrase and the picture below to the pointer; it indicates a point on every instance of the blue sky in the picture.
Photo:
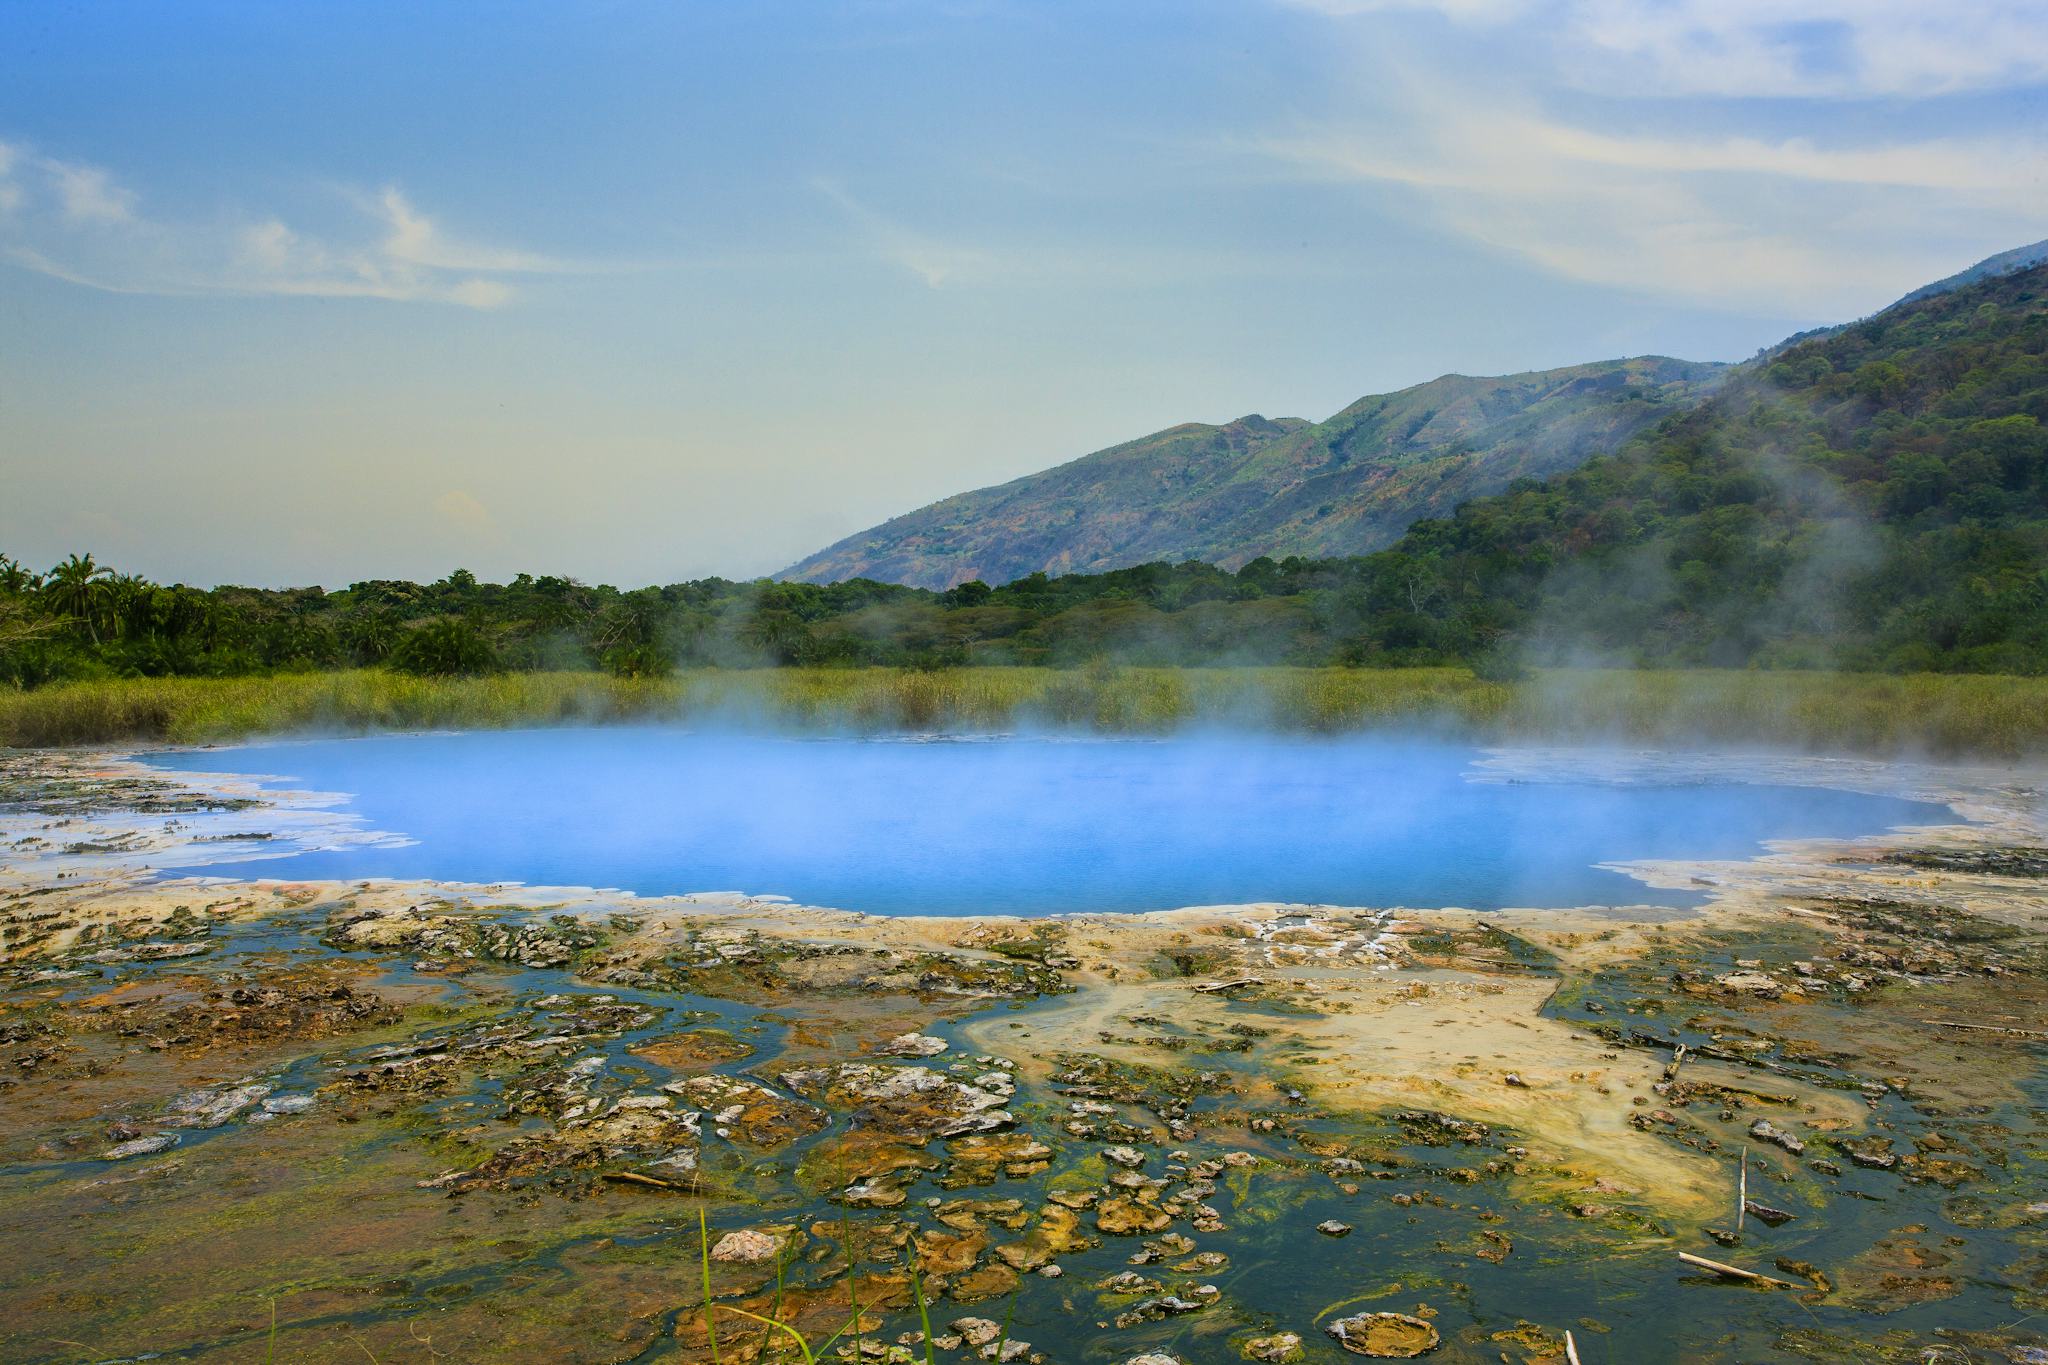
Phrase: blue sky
(308, 292)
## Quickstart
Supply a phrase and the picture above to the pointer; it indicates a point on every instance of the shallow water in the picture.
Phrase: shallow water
(1023, 826)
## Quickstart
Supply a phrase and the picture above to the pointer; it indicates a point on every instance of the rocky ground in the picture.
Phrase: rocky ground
(436, 1122)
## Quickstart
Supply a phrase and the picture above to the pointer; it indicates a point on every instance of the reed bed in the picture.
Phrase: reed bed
(1833, 712)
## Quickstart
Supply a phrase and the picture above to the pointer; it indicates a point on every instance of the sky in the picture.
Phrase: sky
(310, 293)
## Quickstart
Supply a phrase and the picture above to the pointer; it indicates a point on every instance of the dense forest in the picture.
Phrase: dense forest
(1874, 497)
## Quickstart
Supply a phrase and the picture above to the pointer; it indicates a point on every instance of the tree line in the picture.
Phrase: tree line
(1873, 498)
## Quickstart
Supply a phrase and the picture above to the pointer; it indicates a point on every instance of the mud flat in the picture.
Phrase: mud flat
(465, 1122)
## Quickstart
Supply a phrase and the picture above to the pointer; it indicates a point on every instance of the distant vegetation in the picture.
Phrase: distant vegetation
(1954, 714)
(1874, 499)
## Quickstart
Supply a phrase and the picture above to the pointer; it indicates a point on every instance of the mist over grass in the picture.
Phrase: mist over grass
(1930, 714)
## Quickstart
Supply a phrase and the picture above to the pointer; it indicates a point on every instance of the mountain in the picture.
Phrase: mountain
(1258, 487)
(1990, 268)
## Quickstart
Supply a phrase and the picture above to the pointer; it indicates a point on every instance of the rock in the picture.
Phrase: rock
(1280, 1348)
(745, 1247)
(1124, 1156)
(946, 1254)
(149, 952)
(1130, 1282)
(1153, 1358)
(1765, 1214)
(212, 1108)
(1121, 1217)
(985, 1282)
(142, 1146)
(1330, 1227)
(977, 1332)
(871, 1194)
(913, 1045)
(1750, 983)
(1385, 1336)
(1167, 1306)
(910, 1101)
(1763, 1130)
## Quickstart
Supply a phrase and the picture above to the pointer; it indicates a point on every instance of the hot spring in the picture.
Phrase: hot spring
(1020, 826)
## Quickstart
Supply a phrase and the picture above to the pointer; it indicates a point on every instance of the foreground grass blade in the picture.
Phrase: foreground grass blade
(704, 1254)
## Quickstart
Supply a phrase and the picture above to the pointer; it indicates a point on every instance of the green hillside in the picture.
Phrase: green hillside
(1230, 494)
(1874, 497)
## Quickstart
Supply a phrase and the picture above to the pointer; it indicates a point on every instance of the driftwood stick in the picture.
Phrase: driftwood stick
(1210, 987)
(1742, 1189)
(1988, 1028)
(1734, 1272)
(1571, 1349)
(653, 1182)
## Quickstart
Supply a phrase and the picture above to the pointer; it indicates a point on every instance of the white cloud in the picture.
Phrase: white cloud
(1811, 48)
(1819, 214)
(1740, 222)
(77, 223)
(1782, 48)
(88, 194)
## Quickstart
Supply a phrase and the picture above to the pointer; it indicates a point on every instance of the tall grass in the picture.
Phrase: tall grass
(1936, 714)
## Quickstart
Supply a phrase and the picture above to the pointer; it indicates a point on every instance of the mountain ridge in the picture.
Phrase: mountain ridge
(1232, 492)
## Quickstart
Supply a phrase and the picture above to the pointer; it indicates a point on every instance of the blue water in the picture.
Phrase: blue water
(1016, 826)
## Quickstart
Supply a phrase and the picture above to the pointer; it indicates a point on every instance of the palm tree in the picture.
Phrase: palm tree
(80, 589)
(14, 578)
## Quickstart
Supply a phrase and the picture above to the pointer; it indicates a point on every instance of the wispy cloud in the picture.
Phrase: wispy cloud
(1778, 48)
(1632, 191)
(932, 260)
(76, 222)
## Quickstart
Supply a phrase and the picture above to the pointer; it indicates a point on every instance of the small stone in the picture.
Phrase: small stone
(1330, 1227)
(1763, 1130)
(913, 1045)
(142, 1146)
(1765, 1214)
(977, 1332)
(745, 1247)
(872, 1194)
(1281, 1348)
